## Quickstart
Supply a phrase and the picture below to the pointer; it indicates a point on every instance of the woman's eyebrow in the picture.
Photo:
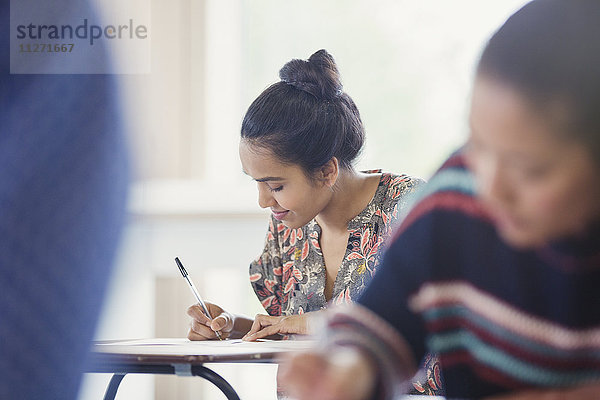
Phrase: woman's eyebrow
(269, 178)
(266, 178)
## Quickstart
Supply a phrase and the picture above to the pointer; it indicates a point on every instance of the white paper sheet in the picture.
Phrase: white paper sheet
(172, 346)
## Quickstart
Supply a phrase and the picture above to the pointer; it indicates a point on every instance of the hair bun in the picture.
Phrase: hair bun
(318, 76)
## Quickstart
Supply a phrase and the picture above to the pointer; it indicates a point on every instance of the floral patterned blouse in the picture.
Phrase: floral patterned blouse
(289, 276)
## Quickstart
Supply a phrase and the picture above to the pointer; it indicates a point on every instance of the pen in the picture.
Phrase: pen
(195, 292)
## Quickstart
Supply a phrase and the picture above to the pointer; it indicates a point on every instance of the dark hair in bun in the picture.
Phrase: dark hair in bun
(318, 76)
(306, 118)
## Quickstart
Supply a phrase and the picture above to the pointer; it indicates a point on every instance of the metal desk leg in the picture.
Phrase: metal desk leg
(113, 386)
(196, 370)
(217, 380)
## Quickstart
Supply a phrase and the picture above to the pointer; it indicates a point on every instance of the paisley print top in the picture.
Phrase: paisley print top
(289, 276)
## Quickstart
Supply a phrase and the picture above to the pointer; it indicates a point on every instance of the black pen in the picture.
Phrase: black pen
(195, 292)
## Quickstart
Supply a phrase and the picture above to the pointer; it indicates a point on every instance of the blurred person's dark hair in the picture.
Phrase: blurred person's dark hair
(534, 52)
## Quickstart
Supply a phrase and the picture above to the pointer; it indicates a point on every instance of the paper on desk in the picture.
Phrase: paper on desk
(172, 346)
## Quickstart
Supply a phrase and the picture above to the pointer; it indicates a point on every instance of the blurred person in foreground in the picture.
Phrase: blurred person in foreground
(63, 179)
(497, 267)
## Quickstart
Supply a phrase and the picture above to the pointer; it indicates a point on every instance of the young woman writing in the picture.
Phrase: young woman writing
(299, 141)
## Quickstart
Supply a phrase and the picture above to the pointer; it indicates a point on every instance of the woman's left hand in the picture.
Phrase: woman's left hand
(266, 325)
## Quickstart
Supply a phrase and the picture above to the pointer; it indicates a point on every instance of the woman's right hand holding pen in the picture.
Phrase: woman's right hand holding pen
(203, 327)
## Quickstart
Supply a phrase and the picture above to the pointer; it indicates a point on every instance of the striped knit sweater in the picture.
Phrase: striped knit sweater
(500, 319)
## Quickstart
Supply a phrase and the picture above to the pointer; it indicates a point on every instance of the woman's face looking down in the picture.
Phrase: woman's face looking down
(292, 196)
(537, 182)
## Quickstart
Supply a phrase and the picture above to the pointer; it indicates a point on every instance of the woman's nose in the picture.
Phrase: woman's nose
(494, 187)
(265, 197)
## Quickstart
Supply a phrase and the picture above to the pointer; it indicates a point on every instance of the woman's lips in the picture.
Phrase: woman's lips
(279, 215)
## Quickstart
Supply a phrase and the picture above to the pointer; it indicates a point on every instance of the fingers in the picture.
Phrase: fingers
(195, 311)
(223, 323)
(193, 335)
(218, 323)
(261, 321)
(203, 328)
(200, 331)
(343, 374)
(299, 375)
(213, 309)
(263, 333)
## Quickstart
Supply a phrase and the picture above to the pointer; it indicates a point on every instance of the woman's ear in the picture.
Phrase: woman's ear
(328, 173)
